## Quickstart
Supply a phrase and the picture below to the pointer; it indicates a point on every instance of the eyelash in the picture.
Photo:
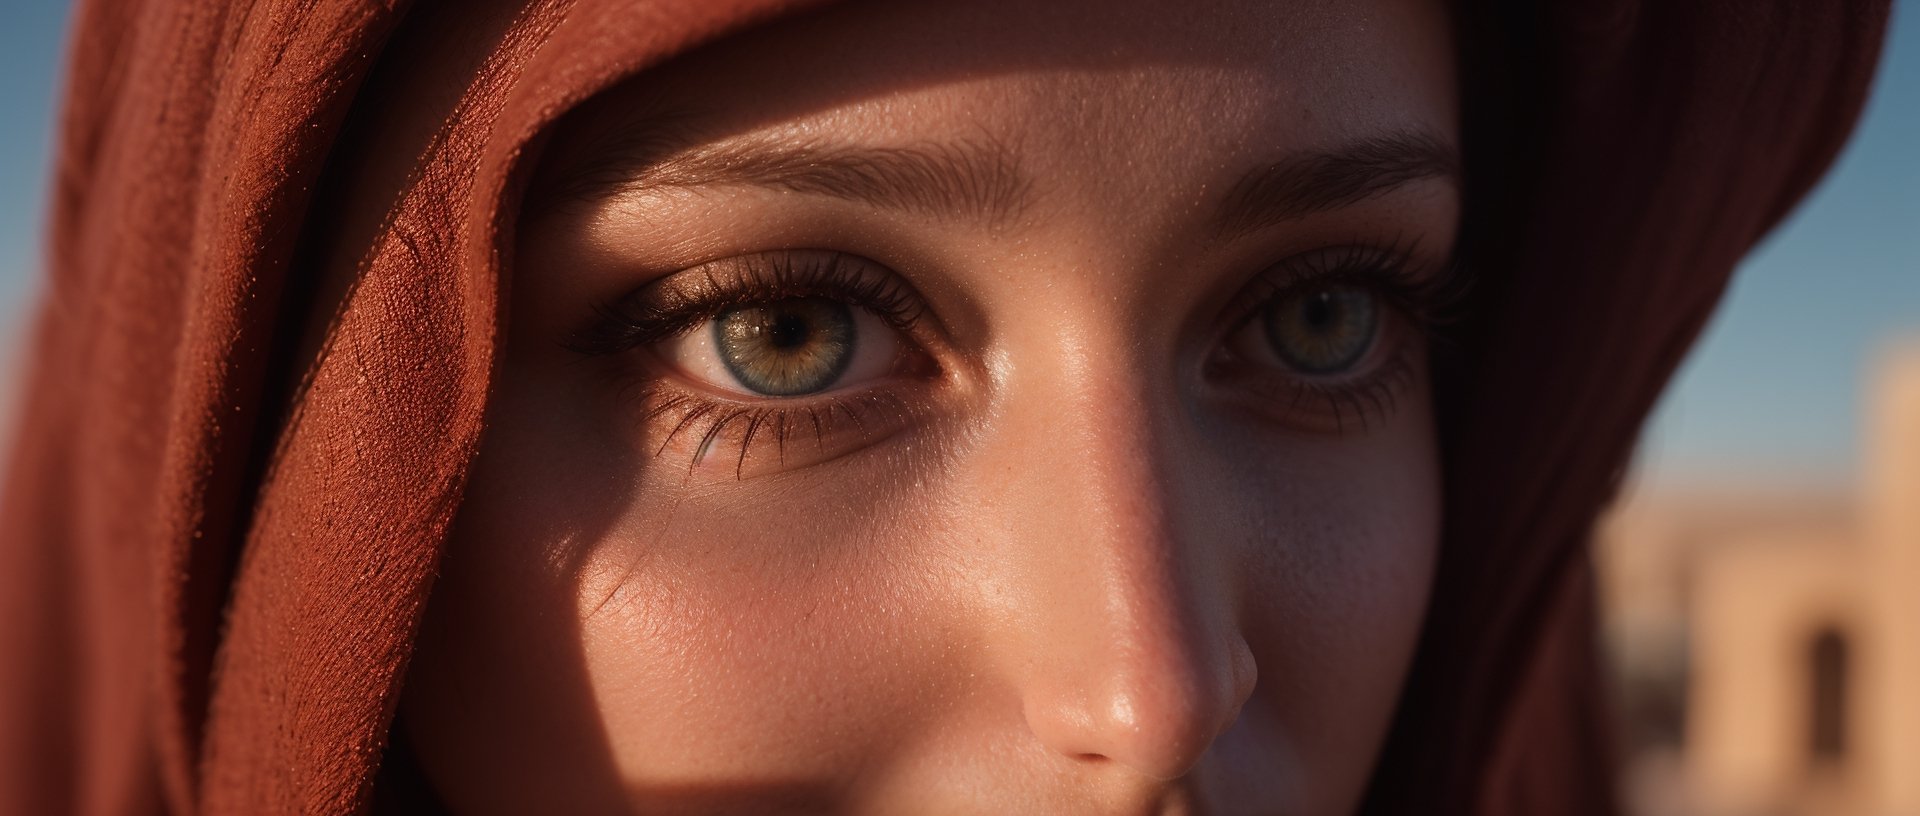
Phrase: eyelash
(1430, 302)
(659, 313)
(1389, 270)
(639, 320)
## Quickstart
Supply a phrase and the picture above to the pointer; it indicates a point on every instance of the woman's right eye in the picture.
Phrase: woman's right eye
(792, 347)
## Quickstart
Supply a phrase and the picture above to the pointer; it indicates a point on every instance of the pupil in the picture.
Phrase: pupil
(1319, 310)
(789, 331)
(787, 347)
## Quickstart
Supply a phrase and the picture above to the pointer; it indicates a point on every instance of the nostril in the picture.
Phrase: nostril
(1157, 726)
(1154, 711)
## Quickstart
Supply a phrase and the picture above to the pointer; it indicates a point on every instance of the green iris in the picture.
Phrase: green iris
(1324, 329)
(786, 348)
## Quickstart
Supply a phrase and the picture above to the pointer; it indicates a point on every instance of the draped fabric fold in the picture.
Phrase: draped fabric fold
(278, 247)
(1622, 157)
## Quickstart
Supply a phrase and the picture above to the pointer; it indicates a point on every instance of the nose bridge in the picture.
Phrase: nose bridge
(1112, 441)
(1132, 653)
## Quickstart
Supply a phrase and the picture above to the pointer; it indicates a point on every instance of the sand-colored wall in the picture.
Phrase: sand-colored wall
(1757, 608)
(1891, 511)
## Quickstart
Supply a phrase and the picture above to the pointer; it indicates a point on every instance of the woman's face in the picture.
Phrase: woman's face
(962, 407)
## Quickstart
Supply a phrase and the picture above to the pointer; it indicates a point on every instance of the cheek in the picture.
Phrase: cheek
(1336, 587)
(613, 639)
(740, 646)
(592, 642)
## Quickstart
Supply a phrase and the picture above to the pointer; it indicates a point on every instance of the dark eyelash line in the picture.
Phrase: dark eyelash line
(1434, 301)
(782, 422)
(1429, 298)
(672, 306)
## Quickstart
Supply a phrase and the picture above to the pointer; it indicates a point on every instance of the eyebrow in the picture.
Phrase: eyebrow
(976, 178)
(1316, 182)
(980, 178)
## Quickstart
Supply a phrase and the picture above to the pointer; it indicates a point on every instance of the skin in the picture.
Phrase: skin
(1072, 568)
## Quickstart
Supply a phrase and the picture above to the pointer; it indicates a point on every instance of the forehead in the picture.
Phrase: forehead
(1080, 87)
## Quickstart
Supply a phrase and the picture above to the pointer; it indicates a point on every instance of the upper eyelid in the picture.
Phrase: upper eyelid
(667, 307)
(1392, 270)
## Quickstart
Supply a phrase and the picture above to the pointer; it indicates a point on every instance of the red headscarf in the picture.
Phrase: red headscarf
(281, 232)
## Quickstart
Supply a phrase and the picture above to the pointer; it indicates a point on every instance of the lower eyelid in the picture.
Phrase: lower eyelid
(685, 431)
(1338, 404)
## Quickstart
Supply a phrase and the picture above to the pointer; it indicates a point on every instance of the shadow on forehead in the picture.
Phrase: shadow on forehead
(835, 57)
(978, 179)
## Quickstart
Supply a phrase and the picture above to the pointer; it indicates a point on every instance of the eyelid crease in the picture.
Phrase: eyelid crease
(1435, 298)
(681, 302)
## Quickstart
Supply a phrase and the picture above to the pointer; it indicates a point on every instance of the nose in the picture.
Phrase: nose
(1149, 695)
(1129, 648)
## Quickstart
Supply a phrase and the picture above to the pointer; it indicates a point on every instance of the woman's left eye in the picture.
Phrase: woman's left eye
(1319, 330)
(791, 347)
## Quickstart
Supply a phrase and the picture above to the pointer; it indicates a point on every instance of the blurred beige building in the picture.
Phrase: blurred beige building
(1766, 641)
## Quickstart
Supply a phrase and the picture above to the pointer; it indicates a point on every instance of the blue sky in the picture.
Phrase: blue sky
(31, 35)
(1773, 391)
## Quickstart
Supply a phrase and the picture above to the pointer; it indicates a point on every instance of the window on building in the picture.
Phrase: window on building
(1827, 662)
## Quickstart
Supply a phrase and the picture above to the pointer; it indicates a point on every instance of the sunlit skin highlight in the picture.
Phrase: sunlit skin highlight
(1075, 542)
